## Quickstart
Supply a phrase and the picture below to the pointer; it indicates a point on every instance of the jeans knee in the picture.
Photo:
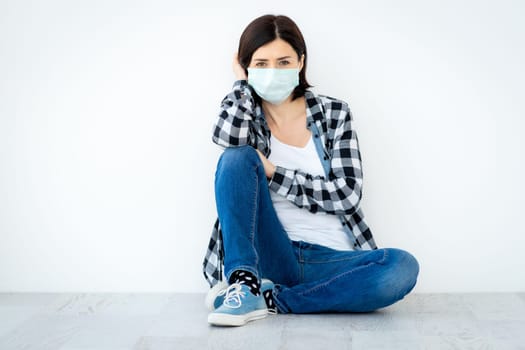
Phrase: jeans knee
(411, 268)
(233, 157)
(238, 154)
(403, 272)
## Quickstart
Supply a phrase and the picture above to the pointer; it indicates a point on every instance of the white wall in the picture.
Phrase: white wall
(107, 164)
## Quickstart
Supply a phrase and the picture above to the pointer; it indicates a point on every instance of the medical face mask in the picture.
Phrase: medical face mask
(273, 84)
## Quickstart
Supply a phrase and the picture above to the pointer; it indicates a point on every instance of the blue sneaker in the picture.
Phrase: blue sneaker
(239, 307)
(215, 296)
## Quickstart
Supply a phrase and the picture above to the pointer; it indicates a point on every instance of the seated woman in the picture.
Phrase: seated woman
(290, 235)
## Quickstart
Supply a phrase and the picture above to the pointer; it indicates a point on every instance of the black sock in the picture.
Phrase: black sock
(247, 278)
(268, 298)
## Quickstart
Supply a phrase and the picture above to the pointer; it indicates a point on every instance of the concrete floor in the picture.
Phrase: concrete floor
(178, 321)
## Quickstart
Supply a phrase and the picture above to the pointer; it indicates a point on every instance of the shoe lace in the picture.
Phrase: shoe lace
(233, 296)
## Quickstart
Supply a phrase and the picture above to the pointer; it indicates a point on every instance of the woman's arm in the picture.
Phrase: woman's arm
(233, 126)
(341, 193)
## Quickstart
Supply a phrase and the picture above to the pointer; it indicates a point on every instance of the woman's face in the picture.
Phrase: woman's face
(276, 54)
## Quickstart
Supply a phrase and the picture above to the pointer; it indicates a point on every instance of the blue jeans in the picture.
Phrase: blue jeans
(308, 278)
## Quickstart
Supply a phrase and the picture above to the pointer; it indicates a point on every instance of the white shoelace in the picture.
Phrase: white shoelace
(233, 296)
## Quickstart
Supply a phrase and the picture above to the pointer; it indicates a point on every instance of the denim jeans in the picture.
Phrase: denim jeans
(308, 278)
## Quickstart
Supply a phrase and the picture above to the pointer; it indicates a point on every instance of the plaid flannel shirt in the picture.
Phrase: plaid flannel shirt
(241, 121)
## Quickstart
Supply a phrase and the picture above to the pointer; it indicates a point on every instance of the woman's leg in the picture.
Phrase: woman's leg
(254, 239)
(347, 281)
(309, 278)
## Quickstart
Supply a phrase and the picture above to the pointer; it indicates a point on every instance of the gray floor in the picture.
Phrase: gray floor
(178, 321)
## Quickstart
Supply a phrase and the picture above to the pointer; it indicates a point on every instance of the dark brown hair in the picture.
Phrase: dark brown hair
(267, 28)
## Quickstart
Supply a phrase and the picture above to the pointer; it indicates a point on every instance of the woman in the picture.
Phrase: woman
(290, 233)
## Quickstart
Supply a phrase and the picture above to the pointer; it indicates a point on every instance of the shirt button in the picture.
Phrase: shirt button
(325, 157)
(316, 135)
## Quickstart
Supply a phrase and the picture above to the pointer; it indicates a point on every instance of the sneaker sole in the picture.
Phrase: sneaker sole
(236, 320)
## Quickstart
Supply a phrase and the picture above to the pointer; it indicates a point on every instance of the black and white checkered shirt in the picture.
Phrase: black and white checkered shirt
(241, 121)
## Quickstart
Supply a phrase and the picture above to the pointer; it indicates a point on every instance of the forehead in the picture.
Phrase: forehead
(274, 49)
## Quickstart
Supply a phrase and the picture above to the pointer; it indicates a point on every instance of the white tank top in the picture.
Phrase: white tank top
(300, 224)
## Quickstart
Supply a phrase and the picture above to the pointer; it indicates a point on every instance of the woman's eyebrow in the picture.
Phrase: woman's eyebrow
(265, 59)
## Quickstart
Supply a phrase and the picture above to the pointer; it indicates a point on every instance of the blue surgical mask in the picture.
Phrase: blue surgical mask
(273, 84)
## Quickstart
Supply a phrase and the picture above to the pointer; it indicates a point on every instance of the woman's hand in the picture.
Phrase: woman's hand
(237, 68)
(269, 168)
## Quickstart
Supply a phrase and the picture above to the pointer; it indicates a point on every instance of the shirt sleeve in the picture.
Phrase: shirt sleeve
(234, 125)
(341, 193)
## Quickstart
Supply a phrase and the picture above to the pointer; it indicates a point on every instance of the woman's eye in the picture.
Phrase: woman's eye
(259, 64)
(284, 63)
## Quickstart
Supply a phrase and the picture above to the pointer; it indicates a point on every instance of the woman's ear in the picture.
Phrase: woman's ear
(301, 62)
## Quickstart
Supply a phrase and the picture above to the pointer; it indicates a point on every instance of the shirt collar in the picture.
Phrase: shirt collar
(314, 112)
